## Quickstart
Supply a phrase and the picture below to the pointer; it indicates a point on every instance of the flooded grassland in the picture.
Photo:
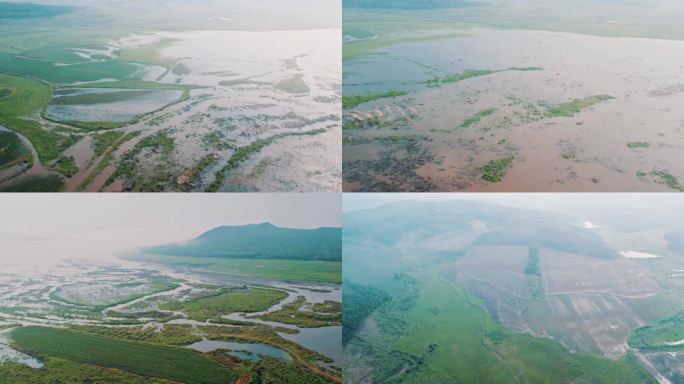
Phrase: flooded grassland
(144, 109)
(512, 110)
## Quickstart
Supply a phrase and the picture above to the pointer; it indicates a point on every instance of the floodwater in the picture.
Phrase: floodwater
(325, 340)
(278, 89)
(10, 355)
(106, 104)
(630, 143)
(248, 351)
(249, 94)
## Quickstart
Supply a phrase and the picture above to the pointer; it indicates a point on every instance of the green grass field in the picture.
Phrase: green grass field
(471, 347)
(287, 270)
(145, 359)
(63, 371)
(665, 335)
(225, 303)
(29, 99)
(86, 71)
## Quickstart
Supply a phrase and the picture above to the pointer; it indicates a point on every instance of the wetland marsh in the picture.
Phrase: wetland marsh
(100, 311)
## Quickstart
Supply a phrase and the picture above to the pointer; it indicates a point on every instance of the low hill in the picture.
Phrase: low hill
(260, 241)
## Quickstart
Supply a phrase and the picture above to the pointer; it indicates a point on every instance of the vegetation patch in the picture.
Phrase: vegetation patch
(297, 313)
(243, 153)
(270, 370)
(570, 155)
(294, 84)
(66, 166)
(665, 335)
(50, 183)
(58, 370)
(495, 170)
(394, 169)
(474, 119)
(134, 85)
(12, 149)
(532, 267)
(575, 106)
(351, 101)
(17, 112)
(245, 299)
(359, 302)
(170, 334)
(105, 140)
(470, 73)
(160, 143)
(638, 144)
(664, 177)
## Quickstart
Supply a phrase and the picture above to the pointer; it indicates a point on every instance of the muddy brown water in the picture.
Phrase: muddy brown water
(584, 152)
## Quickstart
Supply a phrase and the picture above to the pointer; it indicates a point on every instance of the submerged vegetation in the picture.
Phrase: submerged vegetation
(638, 144)
(665, 177)
(243, 153)
(495, 170)
(575, 106)
(474, 119)
(160, 143)
(470, 73)
(351, 101)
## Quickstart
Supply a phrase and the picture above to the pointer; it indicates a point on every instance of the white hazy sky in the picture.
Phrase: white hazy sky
(634, 208)
(49, 227)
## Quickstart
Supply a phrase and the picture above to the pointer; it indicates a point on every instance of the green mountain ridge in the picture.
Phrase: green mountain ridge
(260, 241)
(11, 10)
